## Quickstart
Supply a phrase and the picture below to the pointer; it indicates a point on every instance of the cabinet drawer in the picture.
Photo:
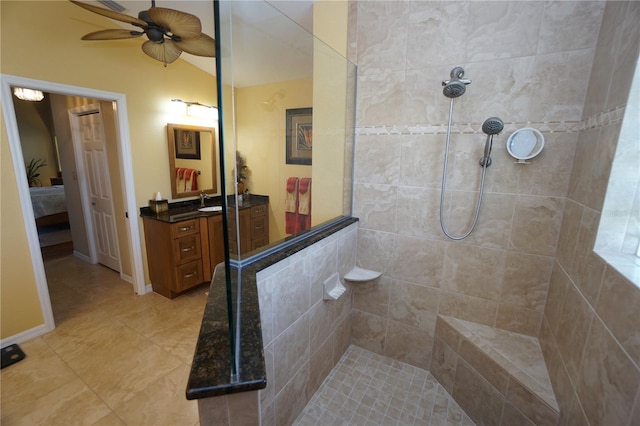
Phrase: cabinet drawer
(258, 227)
(188, 275)
(186, 227)
(258, 211)
(186, 248)
(259, 242)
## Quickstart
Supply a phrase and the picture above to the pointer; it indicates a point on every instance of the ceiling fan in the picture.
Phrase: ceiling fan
(170, 32)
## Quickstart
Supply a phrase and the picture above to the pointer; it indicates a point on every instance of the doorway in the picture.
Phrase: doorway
(88, 140)
(125, 166)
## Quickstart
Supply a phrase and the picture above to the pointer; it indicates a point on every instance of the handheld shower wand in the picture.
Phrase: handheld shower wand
(491, 126)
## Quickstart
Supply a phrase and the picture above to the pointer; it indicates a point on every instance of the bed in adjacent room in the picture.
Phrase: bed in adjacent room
(52, 220)
(49, 205)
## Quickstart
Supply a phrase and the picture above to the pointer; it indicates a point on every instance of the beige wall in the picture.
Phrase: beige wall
(531, 65)
(260, 138)
(304, 336)
(56, 54)
(19, 303)
(590, 334)
(499, 275)
(35, 125)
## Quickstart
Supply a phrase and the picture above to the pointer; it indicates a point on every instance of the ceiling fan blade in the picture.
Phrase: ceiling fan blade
(111, 14)
(111, 35)
(165, 52)
(201, 46)
(182, 24)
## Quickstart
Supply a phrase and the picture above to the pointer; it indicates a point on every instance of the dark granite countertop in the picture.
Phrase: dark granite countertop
(211, 367)
(185, 210)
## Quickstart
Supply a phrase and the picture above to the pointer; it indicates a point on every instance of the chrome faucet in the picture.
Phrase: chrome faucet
(203, 197)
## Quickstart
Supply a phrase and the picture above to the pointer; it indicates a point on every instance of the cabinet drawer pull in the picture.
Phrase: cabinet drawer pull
(185, 228)
(188, 249)
(190, 275)
(258, 227)
(258, 211)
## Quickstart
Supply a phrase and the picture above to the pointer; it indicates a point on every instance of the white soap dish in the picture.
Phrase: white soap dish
(333, 287)
(361, 274)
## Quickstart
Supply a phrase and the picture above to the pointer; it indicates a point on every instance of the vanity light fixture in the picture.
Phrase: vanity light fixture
(28, 94)
(196, 109)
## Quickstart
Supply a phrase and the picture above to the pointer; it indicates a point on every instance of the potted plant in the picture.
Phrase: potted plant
(32, 171)
(241, 170)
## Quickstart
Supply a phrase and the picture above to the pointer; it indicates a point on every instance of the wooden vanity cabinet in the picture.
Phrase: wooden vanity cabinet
(184, 254)
(174, 255)
(259, 231)
(212, 244)
(254, 228)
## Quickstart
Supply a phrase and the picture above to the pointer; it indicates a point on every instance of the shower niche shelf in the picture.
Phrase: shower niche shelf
(333, 288)
(361, 275)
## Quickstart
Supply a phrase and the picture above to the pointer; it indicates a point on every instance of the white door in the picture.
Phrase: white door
(88, 128)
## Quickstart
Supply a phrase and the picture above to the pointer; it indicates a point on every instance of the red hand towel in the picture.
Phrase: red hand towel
(304, 185)
(194, 181)
(291, 184)
(291, 206)
(304, 204)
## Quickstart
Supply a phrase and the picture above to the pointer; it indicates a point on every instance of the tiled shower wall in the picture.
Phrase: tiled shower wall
(304, 336)
(591, 328)
(529, 63)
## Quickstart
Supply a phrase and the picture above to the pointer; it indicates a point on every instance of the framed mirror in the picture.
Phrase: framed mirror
(192, 160)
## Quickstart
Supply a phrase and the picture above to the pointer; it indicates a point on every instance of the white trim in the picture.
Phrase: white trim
(126, 177)
(83, 179)
(82, 256)
(126, 167)
(24, 336)
(25, 202)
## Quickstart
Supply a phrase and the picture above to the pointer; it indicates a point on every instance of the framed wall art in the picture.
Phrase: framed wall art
(187, 144)
(299, 136)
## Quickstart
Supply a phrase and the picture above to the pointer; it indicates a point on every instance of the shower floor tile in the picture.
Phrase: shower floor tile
(365, 388)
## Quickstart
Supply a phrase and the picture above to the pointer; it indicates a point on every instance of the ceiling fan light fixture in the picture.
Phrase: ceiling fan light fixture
(170, 32)
(31, 95)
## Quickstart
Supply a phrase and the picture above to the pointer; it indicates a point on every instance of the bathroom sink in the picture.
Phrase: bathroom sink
(210, 209)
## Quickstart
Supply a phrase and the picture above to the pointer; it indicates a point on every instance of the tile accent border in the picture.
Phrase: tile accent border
(613, 116)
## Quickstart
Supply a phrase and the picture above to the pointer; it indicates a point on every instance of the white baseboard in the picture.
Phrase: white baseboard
(25, 335)
(82, 256)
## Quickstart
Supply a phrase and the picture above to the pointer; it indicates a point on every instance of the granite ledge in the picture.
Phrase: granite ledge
(210, 374)
(185, 210)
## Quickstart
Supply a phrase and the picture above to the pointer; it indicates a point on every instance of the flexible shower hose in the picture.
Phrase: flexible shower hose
(444, 185)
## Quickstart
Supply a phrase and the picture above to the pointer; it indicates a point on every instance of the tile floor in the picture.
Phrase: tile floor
(120, 359)
(114, 358)
(365, 388)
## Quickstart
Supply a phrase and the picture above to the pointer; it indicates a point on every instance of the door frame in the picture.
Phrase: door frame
(125, 169)
(83, 178)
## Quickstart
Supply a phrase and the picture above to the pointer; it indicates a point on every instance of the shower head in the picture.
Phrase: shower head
(457, 85)
(457, 73)
(453, 89)
(492, 126)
